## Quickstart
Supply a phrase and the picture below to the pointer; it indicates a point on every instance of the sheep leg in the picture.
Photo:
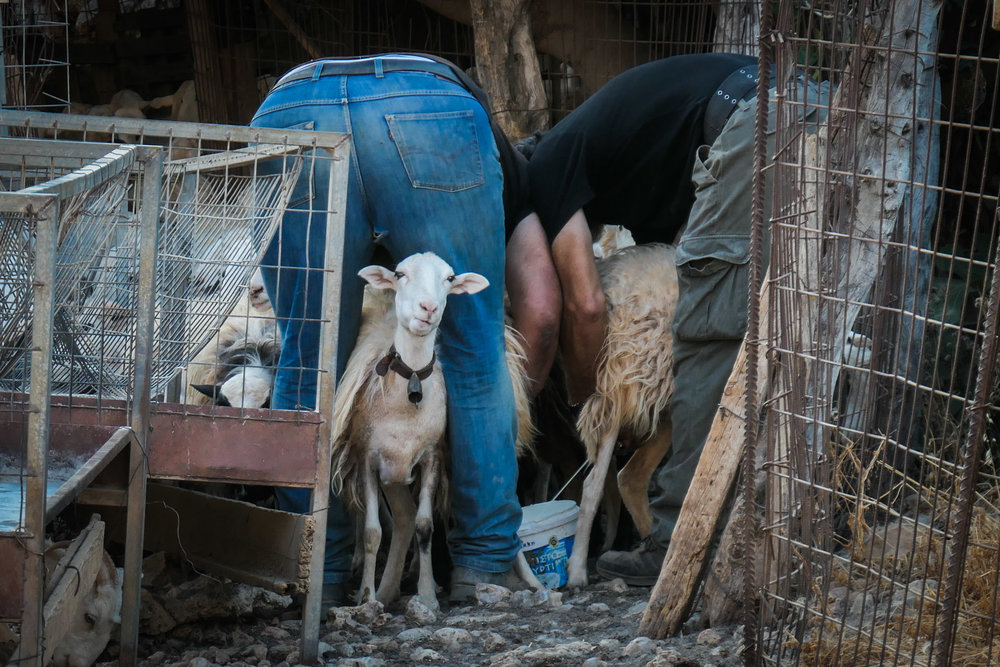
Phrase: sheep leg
(524, 571)
(593, 486)
(403, 513)
(612, 503)
(373, 535)
(633, 479)
(426, 587)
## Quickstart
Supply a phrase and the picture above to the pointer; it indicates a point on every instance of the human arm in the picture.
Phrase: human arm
(535, 297)
(584, 318)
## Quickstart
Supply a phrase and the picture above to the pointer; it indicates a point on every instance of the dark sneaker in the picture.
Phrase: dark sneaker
(464, 580)
(639, 567)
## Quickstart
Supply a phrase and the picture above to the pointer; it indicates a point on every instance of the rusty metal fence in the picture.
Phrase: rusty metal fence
(879, 540)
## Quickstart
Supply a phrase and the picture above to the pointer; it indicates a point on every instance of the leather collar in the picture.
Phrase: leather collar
(392, 361)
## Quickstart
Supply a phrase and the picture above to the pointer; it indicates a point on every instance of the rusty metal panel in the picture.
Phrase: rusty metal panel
(227, 444)
(11, 578)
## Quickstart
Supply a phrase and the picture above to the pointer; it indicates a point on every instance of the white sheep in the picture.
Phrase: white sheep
(237, 366)
(389, 418)
(634, 383)
(90, 630)
(247, 374)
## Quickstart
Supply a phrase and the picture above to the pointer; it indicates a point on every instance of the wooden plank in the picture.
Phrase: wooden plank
(68, 585)
(74, 584)
(103, 497)
(82, 478)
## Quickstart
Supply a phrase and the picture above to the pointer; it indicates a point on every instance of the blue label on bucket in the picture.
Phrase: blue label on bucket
(549, 562)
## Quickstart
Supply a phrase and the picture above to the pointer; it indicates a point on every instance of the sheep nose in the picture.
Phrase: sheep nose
(430, 307)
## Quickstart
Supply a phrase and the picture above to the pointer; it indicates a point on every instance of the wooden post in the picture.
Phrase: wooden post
(507, 65)
(208, 82)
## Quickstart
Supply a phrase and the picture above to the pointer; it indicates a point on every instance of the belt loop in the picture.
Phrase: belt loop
(378, 69)
(317, 71)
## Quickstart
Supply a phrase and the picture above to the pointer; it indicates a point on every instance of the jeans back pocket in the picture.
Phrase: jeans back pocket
(440, 151)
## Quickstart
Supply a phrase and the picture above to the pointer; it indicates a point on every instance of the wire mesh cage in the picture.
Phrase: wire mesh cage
(34, 37)
(66, 206)
(218, 201)
(222, 199)
(96, 265)
(214, 227)
(880, 540)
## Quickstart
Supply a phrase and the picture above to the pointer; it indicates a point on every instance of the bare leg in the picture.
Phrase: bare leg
(633, 479)
(373, 535)
(403, 513)
(593, 487)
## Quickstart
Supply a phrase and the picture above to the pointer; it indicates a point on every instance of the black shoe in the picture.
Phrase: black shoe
(464, 580)
(639, 567)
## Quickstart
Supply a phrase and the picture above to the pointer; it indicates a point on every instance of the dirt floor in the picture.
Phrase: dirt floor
(594, 626)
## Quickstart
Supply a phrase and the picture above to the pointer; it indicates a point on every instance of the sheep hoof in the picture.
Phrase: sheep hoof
(388, 596)
(430, 601)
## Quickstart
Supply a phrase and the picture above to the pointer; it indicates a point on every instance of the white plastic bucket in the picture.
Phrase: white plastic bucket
(547, 531)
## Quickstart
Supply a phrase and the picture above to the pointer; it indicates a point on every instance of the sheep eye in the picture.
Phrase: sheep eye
(91, 620)
(399, 275)
(451, 278)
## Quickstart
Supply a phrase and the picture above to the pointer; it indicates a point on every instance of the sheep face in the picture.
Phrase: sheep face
(100, 612)
(422, 283)
(248, 382)
(259, 300)
(249, 387)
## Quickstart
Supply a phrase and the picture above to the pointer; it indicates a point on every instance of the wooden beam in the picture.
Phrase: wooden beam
(82, 478)
(294, 28)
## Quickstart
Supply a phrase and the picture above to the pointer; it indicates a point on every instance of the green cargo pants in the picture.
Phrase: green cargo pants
(713, 254)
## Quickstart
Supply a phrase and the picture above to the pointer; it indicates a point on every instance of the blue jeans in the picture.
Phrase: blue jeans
(424, 176)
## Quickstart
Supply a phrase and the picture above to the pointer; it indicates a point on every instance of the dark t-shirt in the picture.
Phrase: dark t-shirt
(625, 155)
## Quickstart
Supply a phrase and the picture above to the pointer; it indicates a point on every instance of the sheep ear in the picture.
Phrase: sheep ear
(468, 283)
(378, 277)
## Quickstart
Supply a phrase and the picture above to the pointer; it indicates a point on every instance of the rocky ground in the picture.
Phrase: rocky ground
(203, 621)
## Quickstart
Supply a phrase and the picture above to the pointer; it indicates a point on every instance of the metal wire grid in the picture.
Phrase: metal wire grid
(243, 52)
(94, 323)
(223, 194)
(881, 515)
(43, 340)
(217, 221)
(34, 54)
